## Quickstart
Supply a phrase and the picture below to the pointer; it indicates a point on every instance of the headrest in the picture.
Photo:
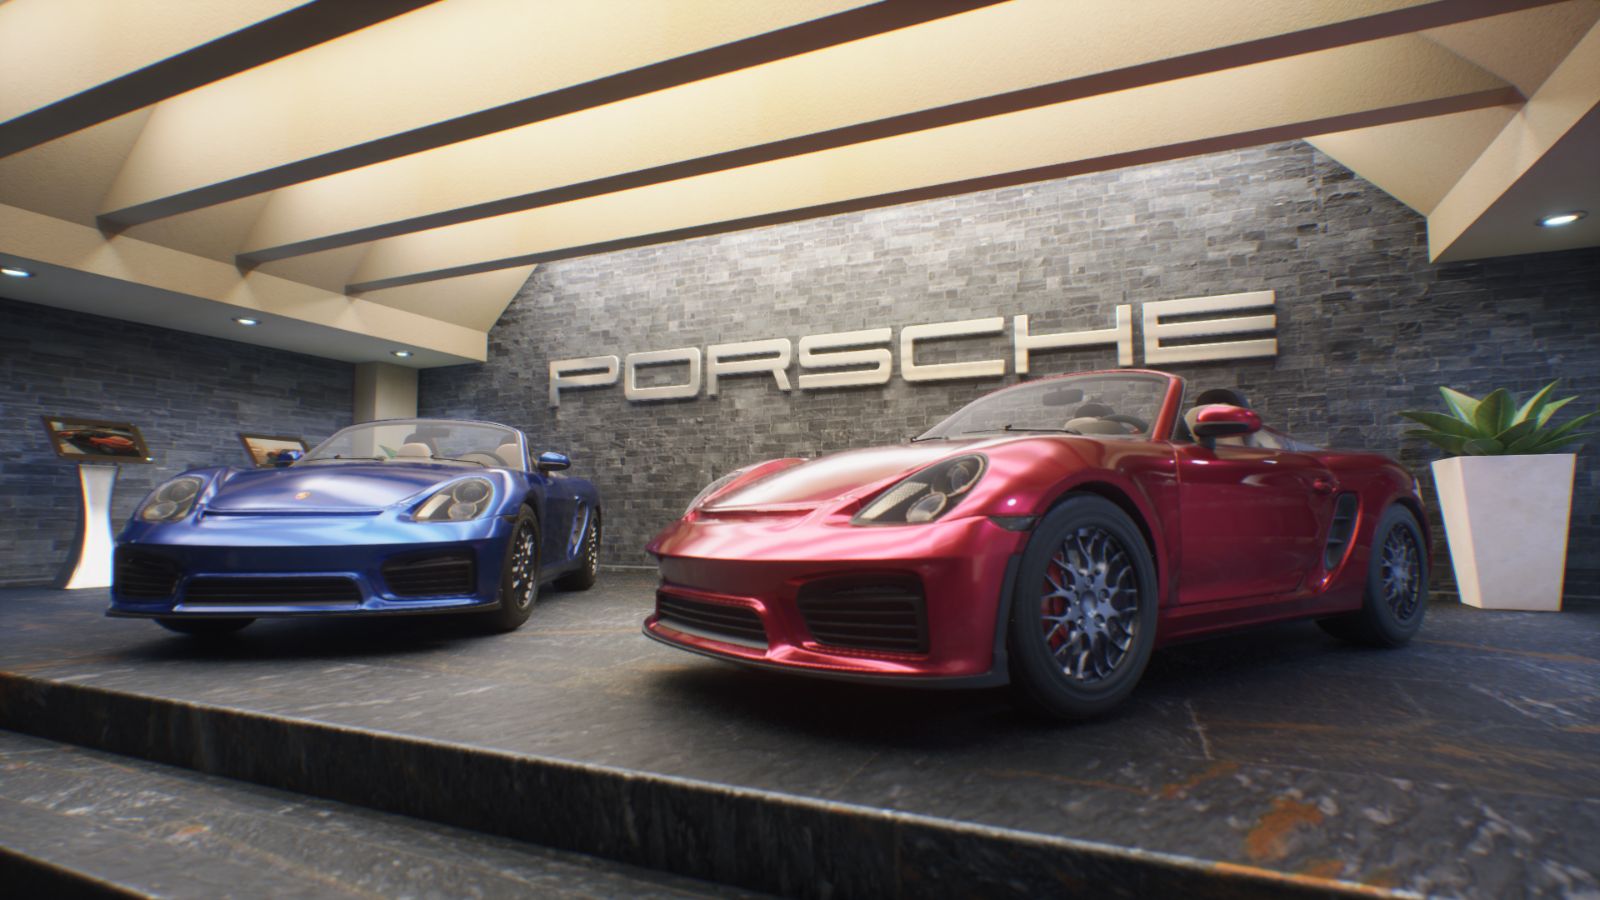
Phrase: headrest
(510, 454)
(415, 449)
(1094, 409)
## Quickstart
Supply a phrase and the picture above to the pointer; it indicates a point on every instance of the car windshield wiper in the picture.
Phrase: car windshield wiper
(454, 459)
(1062, 430)
(930, 437)
(326, 459)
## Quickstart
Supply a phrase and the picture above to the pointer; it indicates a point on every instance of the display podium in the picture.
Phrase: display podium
(99, 448)
(93, 566)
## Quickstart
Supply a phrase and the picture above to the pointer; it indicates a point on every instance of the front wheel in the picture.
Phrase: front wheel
(519, 580)
(1083, 610)
(1396, 596)
(203, 627)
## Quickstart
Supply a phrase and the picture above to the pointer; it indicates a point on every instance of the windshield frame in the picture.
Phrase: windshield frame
(310, 458)
(1161, 427)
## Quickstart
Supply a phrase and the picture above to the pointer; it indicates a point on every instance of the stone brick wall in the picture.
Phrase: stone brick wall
(1366, 325)
(189, 395)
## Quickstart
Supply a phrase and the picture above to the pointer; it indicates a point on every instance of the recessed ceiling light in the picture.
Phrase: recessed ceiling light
(15, 272)
(1559, 219)
(401, 353)
(246, 320)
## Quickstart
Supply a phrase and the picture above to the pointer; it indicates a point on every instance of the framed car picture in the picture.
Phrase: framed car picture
(266, 450)
(92, 440)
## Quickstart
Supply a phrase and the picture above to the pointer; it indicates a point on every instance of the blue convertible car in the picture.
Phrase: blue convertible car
(393, 517)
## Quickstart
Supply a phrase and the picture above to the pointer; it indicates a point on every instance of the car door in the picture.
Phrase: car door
(1251, 521)
(560, 510)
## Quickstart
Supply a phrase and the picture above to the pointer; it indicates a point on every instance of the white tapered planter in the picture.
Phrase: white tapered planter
(1505, 518)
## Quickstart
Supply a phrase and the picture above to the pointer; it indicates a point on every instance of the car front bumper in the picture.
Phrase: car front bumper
(320, 567)
(916, 604)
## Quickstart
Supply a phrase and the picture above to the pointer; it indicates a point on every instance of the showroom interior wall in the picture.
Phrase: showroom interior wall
(189, 395)
(1366, 325)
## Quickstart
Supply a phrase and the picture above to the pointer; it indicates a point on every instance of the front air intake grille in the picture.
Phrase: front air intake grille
(431, 576)
(867, 615)
(270, 591)
(1340, 530)
(739, 624)
(145, 576)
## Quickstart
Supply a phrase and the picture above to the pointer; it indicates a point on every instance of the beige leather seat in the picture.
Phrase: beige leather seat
(414, 450)
(510, 454)
(1097, 425)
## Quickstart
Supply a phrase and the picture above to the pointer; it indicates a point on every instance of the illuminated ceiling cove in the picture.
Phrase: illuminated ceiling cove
(363, 178)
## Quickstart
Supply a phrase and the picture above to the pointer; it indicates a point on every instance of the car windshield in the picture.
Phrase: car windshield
(1114, 404)
(475, 444)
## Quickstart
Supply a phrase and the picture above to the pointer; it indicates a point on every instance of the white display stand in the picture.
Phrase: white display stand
(93, 569)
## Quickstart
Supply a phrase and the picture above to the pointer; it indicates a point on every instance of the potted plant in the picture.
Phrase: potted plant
(1506, 494)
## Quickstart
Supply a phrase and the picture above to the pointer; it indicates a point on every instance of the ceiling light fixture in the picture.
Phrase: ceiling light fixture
(1559, 219)
(401, 353)
(246, 320)
(15, 272)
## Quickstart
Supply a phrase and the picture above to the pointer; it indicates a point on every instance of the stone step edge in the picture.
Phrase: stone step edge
(25, 875)
(746, 837)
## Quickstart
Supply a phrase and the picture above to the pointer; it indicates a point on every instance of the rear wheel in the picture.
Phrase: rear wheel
(583, 578)
(519, 580)
(1083, 613)
(1396, 596)
(204, 627)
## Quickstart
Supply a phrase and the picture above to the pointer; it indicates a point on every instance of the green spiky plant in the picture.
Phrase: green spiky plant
(1497, 425)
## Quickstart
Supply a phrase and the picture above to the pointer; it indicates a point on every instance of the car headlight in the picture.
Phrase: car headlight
(712, 488)
(925, 495)
(459, 501)
(173, 500)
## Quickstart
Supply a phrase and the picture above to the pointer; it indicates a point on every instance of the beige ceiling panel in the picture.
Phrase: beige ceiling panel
(471, 301)
(53, 49)
(768, 112)
(69, 177)
(214, 232)
(224, 292)
(1417, 162)
(1364, 83)
(1522, 47)
(457, 70)
(1545, 154)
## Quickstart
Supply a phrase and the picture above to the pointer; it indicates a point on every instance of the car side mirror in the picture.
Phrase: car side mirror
(1221, 420)
(551, 461)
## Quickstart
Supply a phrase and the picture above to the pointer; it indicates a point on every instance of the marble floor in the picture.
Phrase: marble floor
(1466, 764)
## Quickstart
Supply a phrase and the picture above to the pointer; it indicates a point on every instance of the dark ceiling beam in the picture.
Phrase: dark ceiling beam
(267, 40)
(840, 28)
(1507, 96)
(1325, 37)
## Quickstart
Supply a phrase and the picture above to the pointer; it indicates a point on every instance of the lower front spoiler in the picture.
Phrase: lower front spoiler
(284, 610)
(997, 677)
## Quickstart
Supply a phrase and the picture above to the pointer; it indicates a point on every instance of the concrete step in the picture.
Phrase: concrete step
(77, 822)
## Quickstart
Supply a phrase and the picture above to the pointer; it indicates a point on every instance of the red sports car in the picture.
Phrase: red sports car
(1049, 535)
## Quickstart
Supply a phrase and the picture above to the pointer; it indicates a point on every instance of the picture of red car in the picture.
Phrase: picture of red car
(1049, 535)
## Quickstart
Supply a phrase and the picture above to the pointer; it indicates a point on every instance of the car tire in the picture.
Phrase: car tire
(1396, 596)
(583, 578)
(1086, 580)
(203, 627)
(519, 576)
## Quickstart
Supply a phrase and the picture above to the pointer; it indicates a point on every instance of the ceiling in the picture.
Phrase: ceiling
(369, 177)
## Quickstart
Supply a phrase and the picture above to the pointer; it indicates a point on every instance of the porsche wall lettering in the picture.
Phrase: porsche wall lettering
(1173, 332)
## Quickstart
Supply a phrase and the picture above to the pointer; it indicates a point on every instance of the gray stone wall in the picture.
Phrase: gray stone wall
(189, 395)
(1366, 325)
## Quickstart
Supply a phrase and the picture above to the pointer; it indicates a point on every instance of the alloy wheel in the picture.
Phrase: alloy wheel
(524, 555)
(1089, 612)
(1401, 573)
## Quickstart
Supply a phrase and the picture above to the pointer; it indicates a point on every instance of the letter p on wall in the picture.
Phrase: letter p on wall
(584, 371)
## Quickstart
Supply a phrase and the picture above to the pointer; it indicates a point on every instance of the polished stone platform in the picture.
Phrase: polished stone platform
(1279, 762)
(83, 822)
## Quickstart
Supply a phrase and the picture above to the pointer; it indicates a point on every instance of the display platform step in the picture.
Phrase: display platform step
(1276, 763)
(83, 823)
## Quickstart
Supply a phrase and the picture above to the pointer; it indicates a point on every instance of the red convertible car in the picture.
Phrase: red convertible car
(1049, 535)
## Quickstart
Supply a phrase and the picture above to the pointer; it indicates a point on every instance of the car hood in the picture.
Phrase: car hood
(335, 487)
(837, 474)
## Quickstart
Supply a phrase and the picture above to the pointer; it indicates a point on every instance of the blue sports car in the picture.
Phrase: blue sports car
(394, 517)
